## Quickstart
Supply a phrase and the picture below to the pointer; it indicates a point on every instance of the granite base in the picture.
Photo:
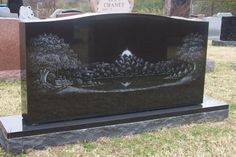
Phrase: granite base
(223, 43)
(16, 137)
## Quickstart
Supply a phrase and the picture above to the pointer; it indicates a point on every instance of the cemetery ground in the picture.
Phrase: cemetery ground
(205, 139)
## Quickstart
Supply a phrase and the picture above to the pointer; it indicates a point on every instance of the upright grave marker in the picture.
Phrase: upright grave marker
(88, 74)
(10, 48)
(228, 29)
(228, 32)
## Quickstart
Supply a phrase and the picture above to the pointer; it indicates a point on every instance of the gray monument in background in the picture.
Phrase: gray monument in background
(215, 25)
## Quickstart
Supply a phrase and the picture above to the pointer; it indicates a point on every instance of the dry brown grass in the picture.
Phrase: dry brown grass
(222, 54)
(209, 139)
(222, 83)
(10, 101)
(198, 140)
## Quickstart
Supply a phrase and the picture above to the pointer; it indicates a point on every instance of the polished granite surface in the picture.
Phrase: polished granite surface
(228, 29)
(111, 64)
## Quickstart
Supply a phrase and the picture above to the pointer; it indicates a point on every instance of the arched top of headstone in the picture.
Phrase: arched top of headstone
(108, 6)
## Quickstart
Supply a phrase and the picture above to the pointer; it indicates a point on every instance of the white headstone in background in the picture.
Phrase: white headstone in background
(26, 13)
(111, 6)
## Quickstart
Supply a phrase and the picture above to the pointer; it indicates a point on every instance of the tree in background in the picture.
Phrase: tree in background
(149, 6)
(47, 7)
(82, 5)
(211, 7)
(3, 1)
(207, 7)
(141, 6)
(177, 8)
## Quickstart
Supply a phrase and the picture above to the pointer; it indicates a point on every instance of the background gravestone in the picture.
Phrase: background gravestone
(215, 25)
(228, 32)
(112, 6)
(228, 29)
(210, 65)
(10, 44)
(10, 49)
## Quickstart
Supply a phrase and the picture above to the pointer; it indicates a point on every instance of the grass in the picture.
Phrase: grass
(200, 140)
(10, 101)
(222, 83)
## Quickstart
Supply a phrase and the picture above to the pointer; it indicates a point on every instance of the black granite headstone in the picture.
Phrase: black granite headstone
(228, 29)
(14, 5)
(111, 64)
(87, 75)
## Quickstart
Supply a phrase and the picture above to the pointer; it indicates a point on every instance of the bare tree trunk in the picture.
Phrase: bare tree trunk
(212, 7)
(177, 8)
